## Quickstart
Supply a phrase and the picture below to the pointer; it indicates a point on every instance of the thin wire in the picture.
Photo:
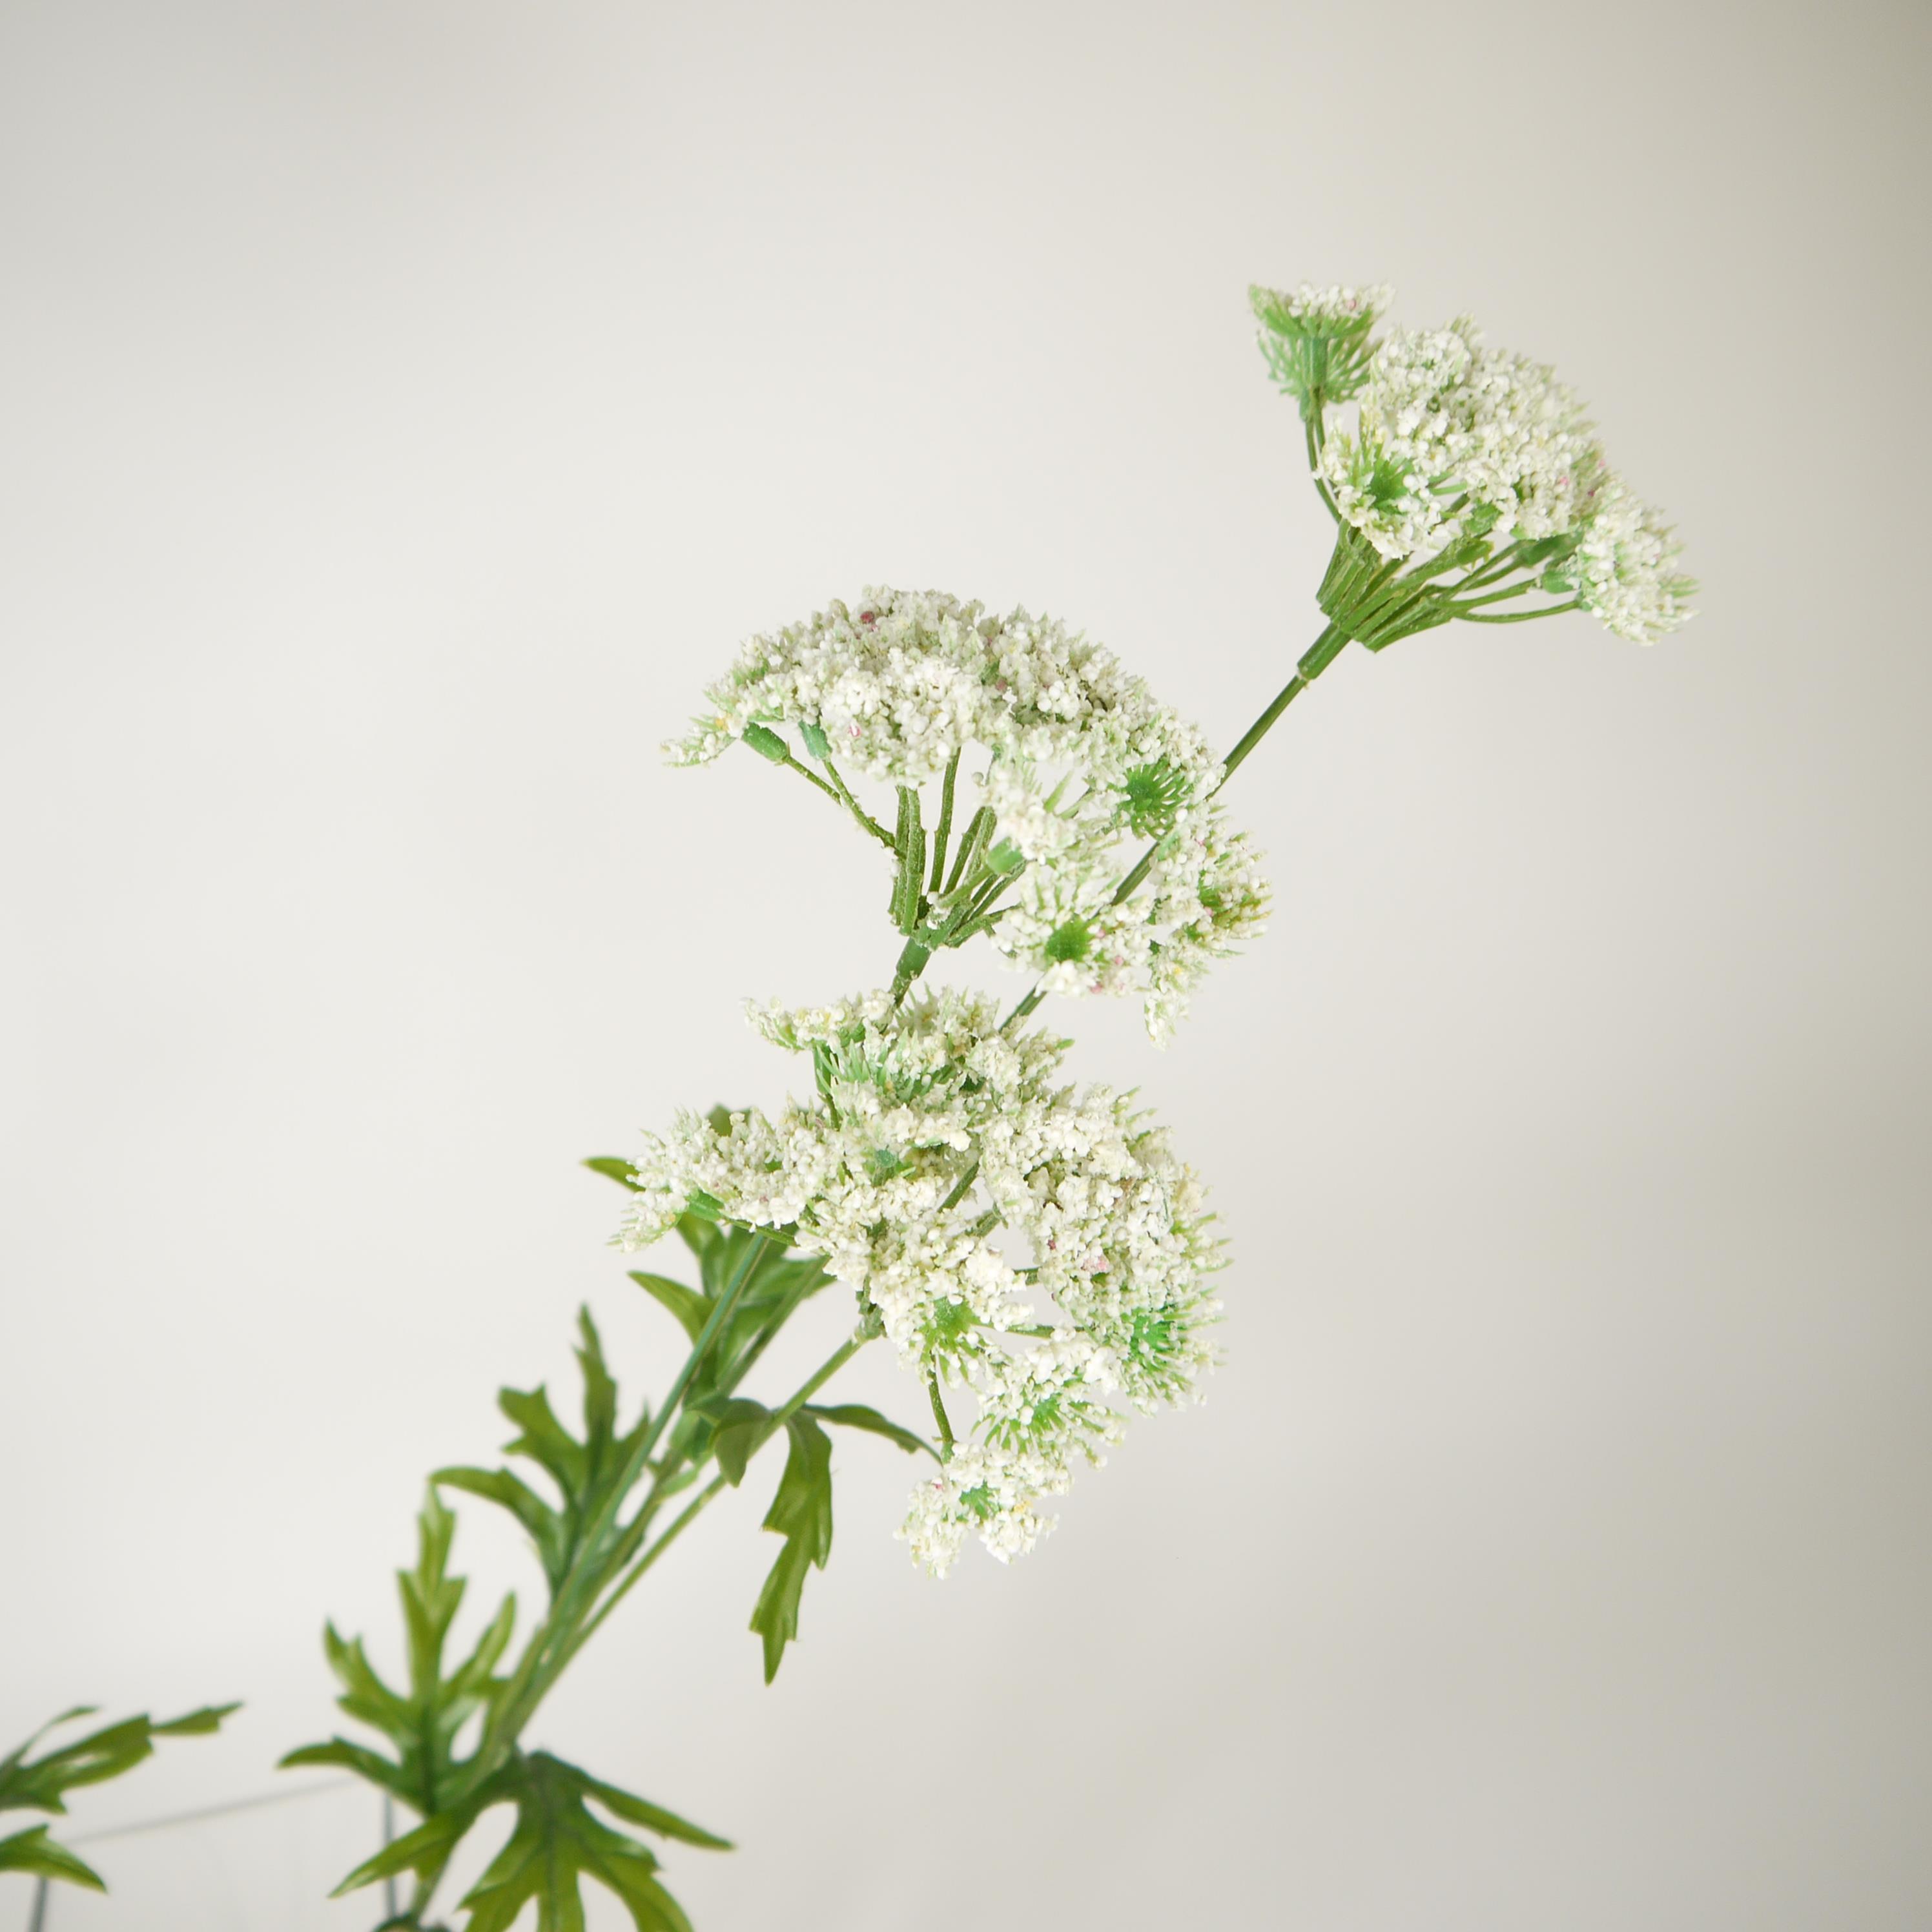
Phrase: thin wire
(215, 1811)
(388, 1839)
(39, 1917)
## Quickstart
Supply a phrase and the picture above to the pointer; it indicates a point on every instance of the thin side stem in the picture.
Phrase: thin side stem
(945, 828)
(1518, 616)
(685, 1517)
(695, 1507)
(1250, 738)
(811, 777)
(947, 1442)
(1314, 429)
(857, 810)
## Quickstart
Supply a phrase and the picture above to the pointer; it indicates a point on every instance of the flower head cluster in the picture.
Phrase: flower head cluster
(1316, 340)
(1036, 1243)
(1455, 436)
(1461, 451)
(1622, 568)
(1070, 767)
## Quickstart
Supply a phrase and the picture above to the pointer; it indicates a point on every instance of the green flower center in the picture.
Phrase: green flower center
(1153, 793)
(1071, 939)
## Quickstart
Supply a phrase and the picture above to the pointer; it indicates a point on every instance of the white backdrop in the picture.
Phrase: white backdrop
(407, 407)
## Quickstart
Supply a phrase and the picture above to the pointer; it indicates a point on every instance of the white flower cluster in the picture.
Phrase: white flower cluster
(1081, 767)
(1311, 310)
(1033, 1243)
(1623, 567)
(1457, 441)
(1316, 340)
(1454, 436)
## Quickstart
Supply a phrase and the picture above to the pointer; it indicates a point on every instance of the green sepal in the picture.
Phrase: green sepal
(816, 741)
(767, 743)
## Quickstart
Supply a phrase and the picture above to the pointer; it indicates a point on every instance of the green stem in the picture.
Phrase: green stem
(1025, 1007)
(1463, 609)
(1518, 616)
(857, 810)
(1311, 426)
(811, 777)
(1320, 652)
(941, 1418)
(518, 1701)
(960, 1189)
(945, 830)
(1304, 676)
(685, 1517)
(695, 1507)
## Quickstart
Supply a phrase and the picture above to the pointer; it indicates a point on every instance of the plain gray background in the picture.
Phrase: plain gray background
(407, 406)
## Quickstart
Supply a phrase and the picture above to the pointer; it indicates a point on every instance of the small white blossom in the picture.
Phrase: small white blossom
(1315, 340)
(1311, 309)
(1453, 437)
(1622, 568)
(1456, 443)
(1075, 765)
(972, 1202)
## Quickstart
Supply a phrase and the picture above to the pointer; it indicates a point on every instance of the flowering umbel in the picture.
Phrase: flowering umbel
(1037, 1254)
(1470, 478)
(1075, 767)
(1033, 1243)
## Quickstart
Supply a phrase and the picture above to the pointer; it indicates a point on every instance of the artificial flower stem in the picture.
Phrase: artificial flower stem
(811, 777)
(858, 810)
(822, 1375)
(944, 830)
(1518, 616)
(947, 1441)
(517, 1704)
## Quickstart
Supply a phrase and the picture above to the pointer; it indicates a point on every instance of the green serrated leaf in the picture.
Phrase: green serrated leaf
(425, 1851)
(857, 1415)
(740, 1425)
(37, 1783)
(613, 1168)
(33, 1851)
(600, 1392)
(544, 1439)
(423, 1726)
(689, 1307)
(543, 1526)
(371, 1766)
(801, 1512)
(557, 1844)
(638, 1810)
